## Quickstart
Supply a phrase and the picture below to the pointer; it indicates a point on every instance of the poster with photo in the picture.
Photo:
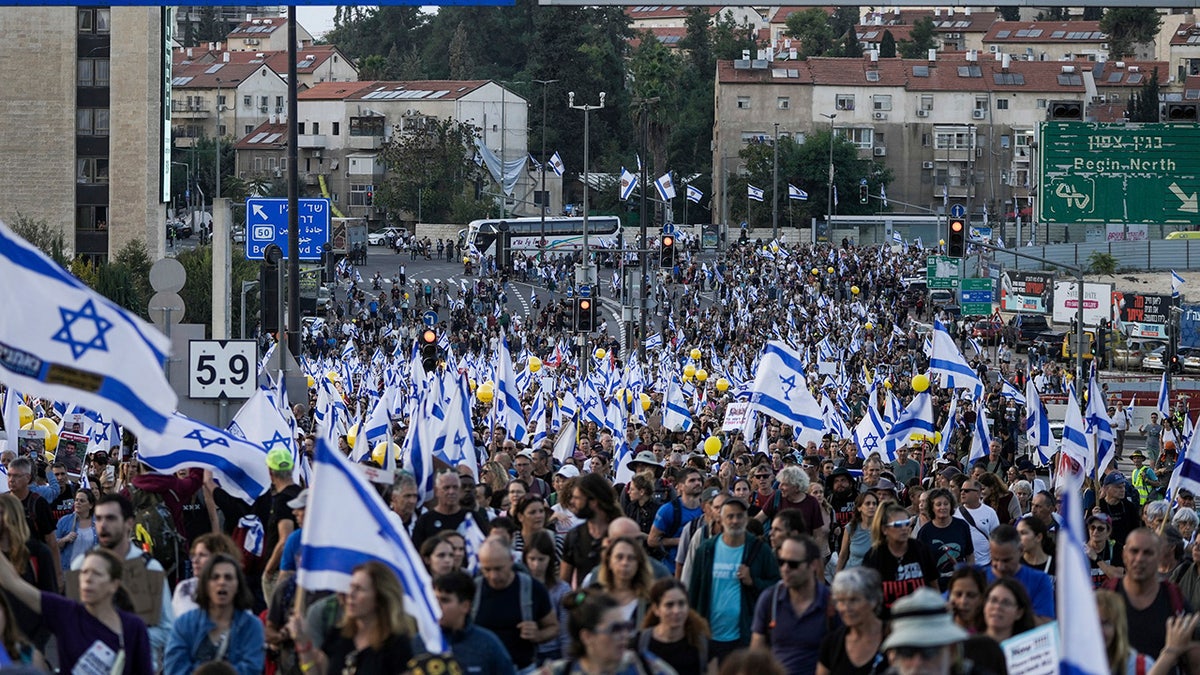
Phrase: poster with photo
(30, 441)
(71, 451)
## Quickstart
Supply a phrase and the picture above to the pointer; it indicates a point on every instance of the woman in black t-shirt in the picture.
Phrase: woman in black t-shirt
(375, 635)
(673, 631)
(854, 648)
(904, 564)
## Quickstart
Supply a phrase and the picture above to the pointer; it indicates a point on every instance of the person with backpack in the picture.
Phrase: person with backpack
(37, 510)
(158, 502)
(796, 614)
(477, 649)
(512, 605)
(276, 516)
(672, 516)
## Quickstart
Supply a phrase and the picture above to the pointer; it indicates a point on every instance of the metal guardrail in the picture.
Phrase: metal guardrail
(1176, 254)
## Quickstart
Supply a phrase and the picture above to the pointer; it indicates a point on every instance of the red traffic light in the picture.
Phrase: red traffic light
(668, 240)
(429, 337)
(585, 304)
(956, 226)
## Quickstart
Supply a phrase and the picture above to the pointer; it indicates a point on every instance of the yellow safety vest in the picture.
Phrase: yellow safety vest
(1140, 484)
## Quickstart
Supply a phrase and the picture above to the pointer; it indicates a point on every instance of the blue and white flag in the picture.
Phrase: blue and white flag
(1177, 283)
(473, 539)
(676, 415)
(238, 465)
(1076, 444)
(1164, 398)
(556, 163)
(948, 428)
(896, 238)
(460, 445)
(981, 440)
(754, 193)
(1037, 426)
(917, 419)
(348, 524)
(835, 197)
(665, 187)
(628, 182)
(883, 195)
(1080, 637)
(1186, 475)
(1009, 390)
(260, 422)
(781, 391)
(63, 341)
(1099, 425)
(948, 361)
(694, 194)
(507, 402)
(868, 435)
(796, 193)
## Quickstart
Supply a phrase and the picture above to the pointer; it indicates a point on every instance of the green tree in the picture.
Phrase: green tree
(462, 53)
(656, 72)
(812, 28)
(921, 39)
(39, 233)
(428, 168)
(887, 45)
(1127, 27)
(851, 47)
(1092, 13)
(1010, 13)
(729, 37)
(135, 261)
(1100, 262)
(1143, 104)
(373, 67)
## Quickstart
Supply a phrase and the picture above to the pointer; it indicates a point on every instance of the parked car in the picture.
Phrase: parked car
(1189, 359)
(989, 330)
(1050, 344)
(385, 237)
(1130, 355)
(1026, 327)
(238, 235)
(1155, 360)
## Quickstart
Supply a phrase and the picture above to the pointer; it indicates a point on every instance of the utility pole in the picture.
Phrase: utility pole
(643, 105)
(583, 275)
(775, 186)
(545, 196)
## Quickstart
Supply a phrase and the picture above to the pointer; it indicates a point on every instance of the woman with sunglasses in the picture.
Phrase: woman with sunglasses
(904, 564)
(600, 636)
(854, 648)
(1104, 556)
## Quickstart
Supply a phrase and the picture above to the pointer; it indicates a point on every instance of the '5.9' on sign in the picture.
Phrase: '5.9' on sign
(222, 368)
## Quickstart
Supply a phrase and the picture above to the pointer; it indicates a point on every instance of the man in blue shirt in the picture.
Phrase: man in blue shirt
(794, 616)
(672, 516)
(1005, 546)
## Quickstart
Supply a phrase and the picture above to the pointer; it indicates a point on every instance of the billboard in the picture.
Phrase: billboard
(1142, 316)
(1028, 292)
(1189, 326)
(1097, 298)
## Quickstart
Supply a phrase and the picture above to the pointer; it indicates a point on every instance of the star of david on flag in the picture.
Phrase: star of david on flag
(238, 465)
(62, 341)
(796, 193)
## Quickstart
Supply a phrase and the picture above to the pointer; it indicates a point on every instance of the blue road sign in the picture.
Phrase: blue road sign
(585, 291)
(429, 318)
(267, 223)
(976, 296)
(958, 211)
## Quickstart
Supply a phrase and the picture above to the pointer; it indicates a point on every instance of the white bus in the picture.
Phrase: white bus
(562, 234)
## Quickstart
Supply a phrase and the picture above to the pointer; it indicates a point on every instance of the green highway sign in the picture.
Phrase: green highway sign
(976, 296)
(1091, 172)
(942, 271)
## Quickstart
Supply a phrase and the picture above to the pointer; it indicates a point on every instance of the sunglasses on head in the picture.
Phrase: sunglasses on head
(907, 522)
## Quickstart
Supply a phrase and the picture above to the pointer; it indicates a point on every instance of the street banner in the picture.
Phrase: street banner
(1026, 292)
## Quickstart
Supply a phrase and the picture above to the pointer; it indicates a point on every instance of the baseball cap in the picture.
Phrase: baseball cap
(1114, 478)
(1025, 464)
(1101, 517)
(709, 494)
(279, 460)
(568, 471)
(527, 452)
(301, 500)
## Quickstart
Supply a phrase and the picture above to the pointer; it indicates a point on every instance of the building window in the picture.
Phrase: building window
(783, 102)
(262, 103)
(247, 101)
(103, 21)
(91, 170)
(91, 121)
(300, 128)
(316, 128)
(862, 137)
(221, 131)
(845, 102)
(247, 129)
(366, 126)
(94, 21)
(1001, 104)
(92, 73)
(981, 103)
(952, 140)
(258, 164)
(91, 218)
(926, 102)
(337, 128)
(278, 104)
(881, 101)
(358, 194)
(743, 102)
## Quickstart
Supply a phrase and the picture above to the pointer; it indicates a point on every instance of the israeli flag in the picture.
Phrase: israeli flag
(556, 163)
(868, 435)
(948, 429)
(917, 419)
(1099, 425)
(348, 524)
(1186, 475)
(1082, 641)
(654, 341)
(628, 182)
(1009, 390)
(947, 360)
(63, 341)
(754, 193)
(1177, 283)
(896, 238)
(460, 444)
(260, 422)
(665, 187)
(473, 538)
(781, 391)
(676, 415)
(238, 465)
(1076, 444)
(981, 440)
(1037, 425)
(796, 193)
(1164, 398)
(694, 194)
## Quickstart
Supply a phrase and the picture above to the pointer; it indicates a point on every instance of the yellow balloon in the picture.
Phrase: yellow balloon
(687, 378)
(855, 290)
(868, 325)
(485, 392)
(722, 385)
(646, 402)
(332, 376)
(689, 370)
(535, 364)
(51, 429)
(26, 414)
(920, 382)
(600, 353)
(712, 445)
(311, 382)
(941, 242)
(696, 353)
(352, 435)
(49, 456)
(466, 260)
(702, 375)
(830, 269)
(379, 453)
(815, 271)
(937, 437)
(887, 384)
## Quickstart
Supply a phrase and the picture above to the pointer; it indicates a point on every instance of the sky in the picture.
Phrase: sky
(316, 19)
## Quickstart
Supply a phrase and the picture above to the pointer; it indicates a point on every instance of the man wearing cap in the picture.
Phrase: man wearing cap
(1125, 512)
(646, 462)
(924, 639)
(1029, 473)
(1144, 480)
(842, 492)
(672, 516)
(729, 572)
(523, 463)
(276, 516)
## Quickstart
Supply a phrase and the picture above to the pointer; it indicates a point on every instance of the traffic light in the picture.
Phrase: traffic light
(862, 193)
(666, 252)
(429, 350)
(956, 242)
(370, 196)
(585, 315)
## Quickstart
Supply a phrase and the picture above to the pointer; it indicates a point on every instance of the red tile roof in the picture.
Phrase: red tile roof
(669, 36)
(782, 13)
(258, 27)
(1045, 32)
(266, 136)
(959, 22)
(391, 90)
(206, 75)
(276, 59)
(873, 34)
(1188, 34)
(333, 91)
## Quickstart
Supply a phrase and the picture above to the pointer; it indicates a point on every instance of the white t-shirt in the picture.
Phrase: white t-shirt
(986, 520)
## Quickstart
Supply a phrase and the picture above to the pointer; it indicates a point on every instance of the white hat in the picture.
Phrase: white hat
(568, 471)
(920, 619)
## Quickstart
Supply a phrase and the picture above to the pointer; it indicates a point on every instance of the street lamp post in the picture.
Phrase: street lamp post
(584, 276)
(545, 196)
(775, 186)
(829, 187)
(644, 254)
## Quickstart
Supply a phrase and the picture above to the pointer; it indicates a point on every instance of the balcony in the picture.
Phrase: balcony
(364, 142)
(189, 110)
(311, 141)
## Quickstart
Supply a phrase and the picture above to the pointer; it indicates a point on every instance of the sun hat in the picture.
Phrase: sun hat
(920, 619)
(301, 500)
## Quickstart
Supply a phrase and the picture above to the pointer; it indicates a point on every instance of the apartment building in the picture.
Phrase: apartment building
(224, 99)
(956, 30)
(1051, 41)
(266, 35)
(314, 63)
(960, 123)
